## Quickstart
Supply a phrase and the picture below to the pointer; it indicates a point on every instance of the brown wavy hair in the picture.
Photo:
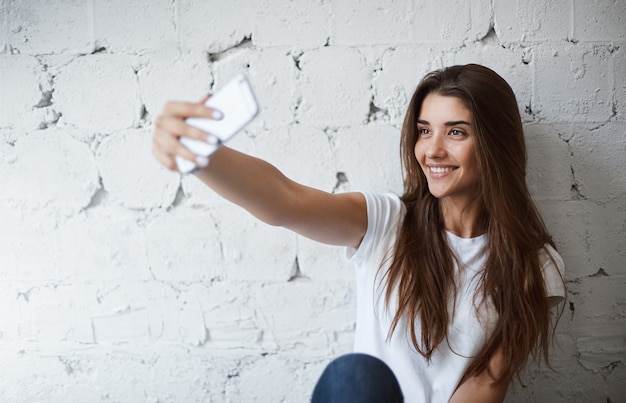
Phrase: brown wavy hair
(421, 274)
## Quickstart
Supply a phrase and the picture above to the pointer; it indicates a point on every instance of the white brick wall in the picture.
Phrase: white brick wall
(121, 281)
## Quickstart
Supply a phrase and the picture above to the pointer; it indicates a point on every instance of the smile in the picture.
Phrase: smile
(440, 170)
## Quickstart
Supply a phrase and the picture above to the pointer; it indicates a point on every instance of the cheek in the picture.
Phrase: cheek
(473, 167)
(418, 152)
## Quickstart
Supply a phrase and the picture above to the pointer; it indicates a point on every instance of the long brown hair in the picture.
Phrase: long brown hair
(421, 274)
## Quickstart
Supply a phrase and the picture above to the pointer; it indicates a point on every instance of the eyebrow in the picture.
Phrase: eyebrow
(451, 123)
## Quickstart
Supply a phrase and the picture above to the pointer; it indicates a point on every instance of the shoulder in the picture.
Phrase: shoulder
(384, 212)
(383, 203)
(553, 269)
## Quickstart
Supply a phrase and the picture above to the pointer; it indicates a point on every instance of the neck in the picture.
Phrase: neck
(463, 219)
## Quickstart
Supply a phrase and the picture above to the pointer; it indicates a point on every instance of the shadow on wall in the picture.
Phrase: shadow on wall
(576, 175)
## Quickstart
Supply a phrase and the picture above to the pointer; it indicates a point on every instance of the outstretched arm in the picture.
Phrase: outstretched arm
(260, 188)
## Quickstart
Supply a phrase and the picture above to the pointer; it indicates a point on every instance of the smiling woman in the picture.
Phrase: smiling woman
(445, 150)
(455, 278)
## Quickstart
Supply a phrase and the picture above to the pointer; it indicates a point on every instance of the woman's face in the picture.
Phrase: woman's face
(445, 148)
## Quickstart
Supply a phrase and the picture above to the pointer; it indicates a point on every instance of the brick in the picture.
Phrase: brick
(548, 170)
(111, 383)
(62, 187)
(54, 313)
(370, 157)
(159, 302)
(349, 27)
(307, 328)
(183, 247)
(300, 24)
(139, 25)
(185, 375)
(599, 20)
(112, 107)
(461, 21)
(103, 244)
(587, 235)
(170, 76)
(30, 230)
(271, 73)
(46, 313)
(601, 345)
(122, 326)
(607, 245)
(400, 71)
(568, 223)
(513, 64)
(252, 250)
(316, 157)
(24, 79)
(323, 262)
(572, 84)
(40, 26)
(335, 86)
(201, 26)
(599, 160)
(256, 381)
(599, 296)
(230, 320)
(131, 175)
(532, 21)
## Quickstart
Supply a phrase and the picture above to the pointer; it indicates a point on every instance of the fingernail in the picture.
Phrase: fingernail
(213, 140)
(202, 161)
(217, 115)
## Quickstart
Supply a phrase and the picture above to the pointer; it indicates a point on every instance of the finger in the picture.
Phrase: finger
(170, 145)
(179, 128)
(169, 160)
(190, 109)
(166, 160)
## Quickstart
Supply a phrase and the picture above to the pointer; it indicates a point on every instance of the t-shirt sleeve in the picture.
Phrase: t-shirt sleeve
(383, 212)
(553, 271)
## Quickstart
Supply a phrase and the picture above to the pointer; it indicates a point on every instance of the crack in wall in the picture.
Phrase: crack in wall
(99, 196)
(575, 191)
(296, 60)
(600, 273)
(245, 43)
(342, 182)
(376, 113)
(296, 273)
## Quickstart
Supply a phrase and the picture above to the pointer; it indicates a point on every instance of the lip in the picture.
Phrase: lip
(440, 171)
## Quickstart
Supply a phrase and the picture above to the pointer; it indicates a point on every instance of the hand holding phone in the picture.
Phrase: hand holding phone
(238, 105)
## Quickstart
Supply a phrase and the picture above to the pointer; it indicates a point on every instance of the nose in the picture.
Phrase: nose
(436, 147)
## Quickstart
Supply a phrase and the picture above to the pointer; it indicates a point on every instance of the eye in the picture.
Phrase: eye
(422, 131)
(457, 132)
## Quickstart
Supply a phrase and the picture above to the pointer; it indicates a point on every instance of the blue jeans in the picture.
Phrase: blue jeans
(357, 378)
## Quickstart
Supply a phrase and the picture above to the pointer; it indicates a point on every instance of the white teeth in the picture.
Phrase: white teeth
(441, 169)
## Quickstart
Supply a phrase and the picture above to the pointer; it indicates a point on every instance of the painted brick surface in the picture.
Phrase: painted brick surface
(122, 281)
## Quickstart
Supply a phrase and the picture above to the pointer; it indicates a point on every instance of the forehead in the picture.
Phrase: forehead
(438, 107)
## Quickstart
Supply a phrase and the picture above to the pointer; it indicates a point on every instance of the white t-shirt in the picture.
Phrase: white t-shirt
(422, 381)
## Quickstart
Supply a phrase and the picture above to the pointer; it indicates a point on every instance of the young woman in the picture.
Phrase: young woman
(455, 279)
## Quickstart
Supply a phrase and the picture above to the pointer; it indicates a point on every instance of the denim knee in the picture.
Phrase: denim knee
(357, 378)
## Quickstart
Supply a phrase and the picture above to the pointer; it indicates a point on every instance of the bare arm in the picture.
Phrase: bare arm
(259, 187)
(480, 388)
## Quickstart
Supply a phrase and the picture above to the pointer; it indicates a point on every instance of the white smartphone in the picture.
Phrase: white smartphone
(238, 104)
